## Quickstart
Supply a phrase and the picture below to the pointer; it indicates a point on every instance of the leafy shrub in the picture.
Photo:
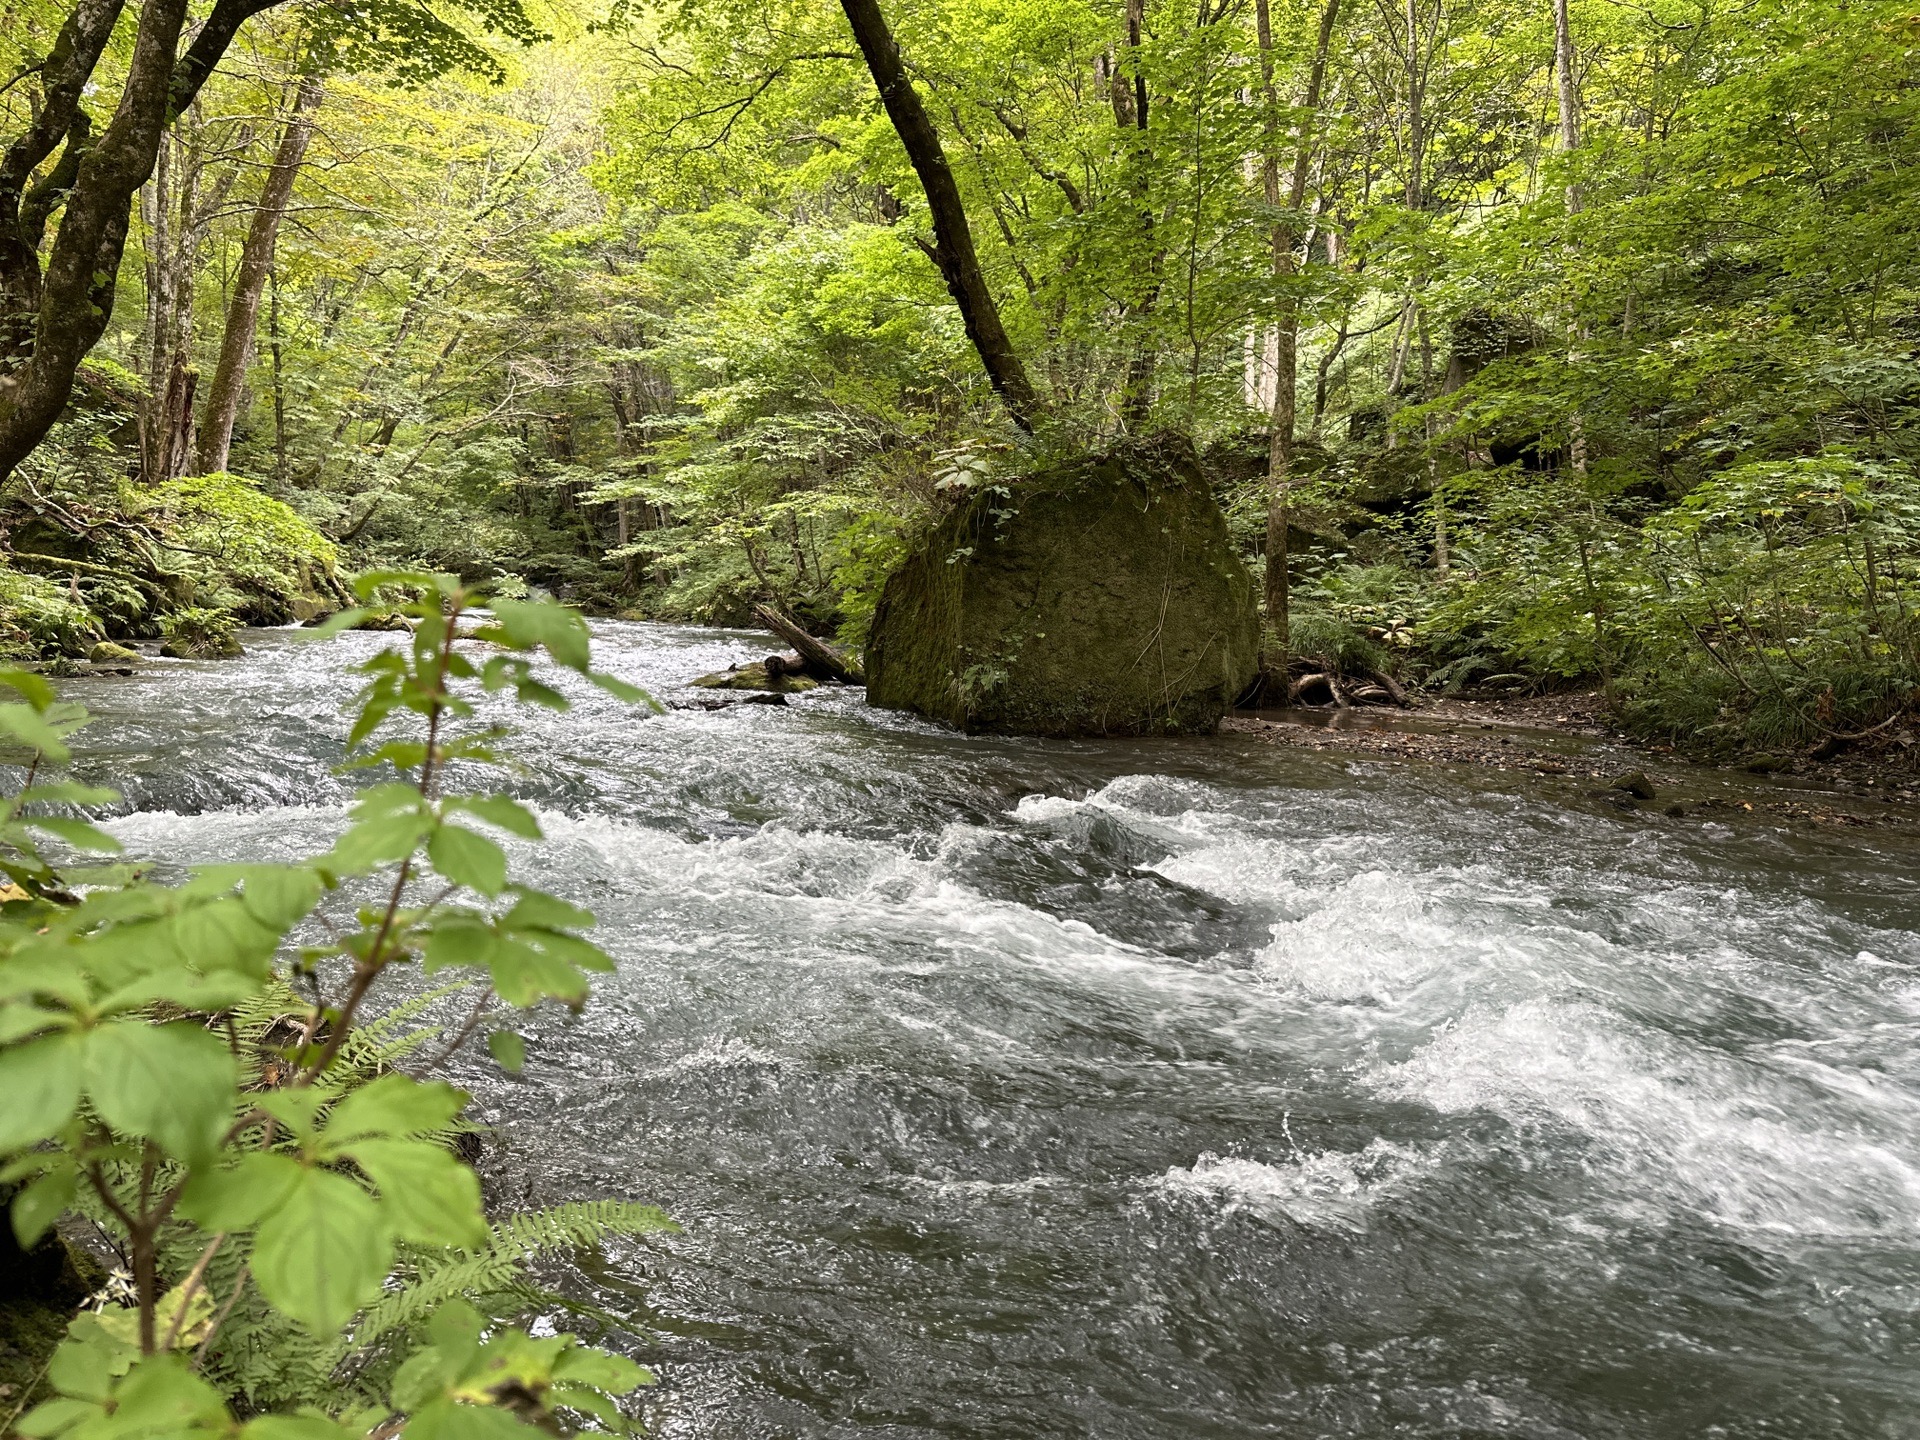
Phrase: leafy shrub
(1327, 641)
(199, 633)
(40, 618)
(295, 1221)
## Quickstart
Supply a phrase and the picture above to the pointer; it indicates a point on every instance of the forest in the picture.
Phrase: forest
(1070, 373)
(1524, 346)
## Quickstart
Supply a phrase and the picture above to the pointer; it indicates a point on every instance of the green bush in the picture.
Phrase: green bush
(301, 1234)
(40, 618)
(200, 633)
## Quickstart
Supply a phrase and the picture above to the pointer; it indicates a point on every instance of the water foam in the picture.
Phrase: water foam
(1332, 1190)
(1739, 1139)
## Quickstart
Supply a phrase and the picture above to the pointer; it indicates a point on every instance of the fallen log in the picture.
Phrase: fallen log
(1300, 687)
(821, 659)
(1387, 683)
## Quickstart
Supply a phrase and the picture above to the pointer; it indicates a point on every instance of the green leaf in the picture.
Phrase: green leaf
(225, 935)
(600, 1369)
(77, 833)
(298, 1110)
(426, 1194)
(369, 582)
(66, 792)
(460, 941)
(48, 971)
(508, 1050)
(509, 815)
(17, 1022)
(161, 1396)
(583, 954)
(41, 1203)
(174, 1084)
(30, 728)
(394, 1105)
(323, 1253)
(622, 690)
(537, 909)
(371, 843)
(448, 1420)
(394, 797)
(32, 688)
(41, 1082)
(280, 896)
(221, 990)
(468, 858)
(524, 976)
(529, 691)
(243, 1194)
(57, 1417)
(298, 1427)
(86, 1363)
(337, 622)
(455, 1330)
(528, 623)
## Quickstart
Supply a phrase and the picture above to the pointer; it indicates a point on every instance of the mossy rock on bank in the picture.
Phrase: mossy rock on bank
(251, 554)
(1102, 597)
(40, 1289)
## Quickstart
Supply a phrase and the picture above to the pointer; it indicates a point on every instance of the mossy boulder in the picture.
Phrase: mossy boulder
(252, 554)
(1101, 597)
(40, 1290)
(757, 677)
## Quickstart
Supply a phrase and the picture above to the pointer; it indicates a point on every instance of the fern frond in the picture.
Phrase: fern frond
(516, 1240)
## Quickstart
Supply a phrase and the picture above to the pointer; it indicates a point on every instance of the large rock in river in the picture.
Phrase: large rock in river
(1102, 597)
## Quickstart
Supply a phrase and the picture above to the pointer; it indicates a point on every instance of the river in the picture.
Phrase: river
(1009, 1088)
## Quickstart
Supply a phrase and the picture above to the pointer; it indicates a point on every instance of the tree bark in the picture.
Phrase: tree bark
(256, 261)
(952, 251)
(1569, 98)
(51, 318)
(1284, 241)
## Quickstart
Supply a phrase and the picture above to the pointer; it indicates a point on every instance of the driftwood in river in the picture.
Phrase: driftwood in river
(822, 661)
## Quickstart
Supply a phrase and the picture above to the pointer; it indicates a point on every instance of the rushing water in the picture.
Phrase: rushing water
(1023, 1089)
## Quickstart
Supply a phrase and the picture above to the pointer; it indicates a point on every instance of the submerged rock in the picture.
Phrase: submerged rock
(1102, 597)
(1635, 783)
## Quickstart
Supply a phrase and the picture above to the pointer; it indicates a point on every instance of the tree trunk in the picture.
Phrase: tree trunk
(1569, 99)
(172, 410)
(281, 455)
(1286, 349)
(256, 260)
(952, 251)
(1416, 113)
(49, 320)
(1568, 96)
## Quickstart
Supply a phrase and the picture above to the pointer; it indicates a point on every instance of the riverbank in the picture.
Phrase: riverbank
(1565, 738)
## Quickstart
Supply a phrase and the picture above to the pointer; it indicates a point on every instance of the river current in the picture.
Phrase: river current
(1009, 1088)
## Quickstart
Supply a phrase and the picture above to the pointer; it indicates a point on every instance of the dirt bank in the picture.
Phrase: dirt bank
(1563, 738)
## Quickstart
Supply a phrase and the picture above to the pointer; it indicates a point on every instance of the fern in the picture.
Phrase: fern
(517, 1240)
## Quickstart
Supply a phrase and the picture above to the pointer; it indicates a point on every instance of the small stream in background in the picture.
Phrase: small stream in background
(1013, 1088)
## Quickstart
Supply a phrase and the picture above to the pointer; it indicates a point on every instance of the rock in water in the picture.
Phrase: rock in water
(1102, 597)
(774, 674)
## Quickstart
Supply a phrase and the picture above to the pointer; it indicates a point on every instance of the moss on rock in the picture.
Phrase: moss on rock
(755, 677)
(40, 1289)
(1102, 597)
(252, 554)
